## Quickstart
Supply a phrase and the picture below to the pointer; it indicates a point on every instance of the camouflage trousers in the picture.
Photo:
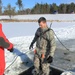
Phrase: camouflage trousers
(41, 66)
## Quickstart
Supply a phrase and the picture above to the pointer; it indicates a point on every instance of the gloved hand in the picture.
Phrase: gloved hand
(31, 46)
(11, 50)
(50, 59)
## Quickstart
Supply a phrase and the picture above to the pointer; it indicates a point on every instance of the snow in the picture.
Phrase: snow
(67, 73)
(22, 54)
(18, 29)
(21, 42)
(48, 16)
(66, 33)
(22, 33)
(64, 30)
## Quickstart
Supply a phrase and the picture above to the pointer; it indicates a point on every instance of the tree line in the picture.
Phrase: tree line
(52, 8)
(39, 8)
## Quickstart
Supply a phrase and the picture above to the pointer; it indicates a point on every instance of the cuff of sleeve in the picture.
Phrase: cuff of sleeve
(10, 47)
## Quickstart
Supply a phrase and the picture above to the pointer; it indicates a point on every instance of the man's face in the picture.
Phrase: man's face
(42, 24)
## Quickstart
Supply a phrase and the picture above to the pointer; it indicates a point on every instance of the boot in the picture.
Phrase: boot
(34, 72)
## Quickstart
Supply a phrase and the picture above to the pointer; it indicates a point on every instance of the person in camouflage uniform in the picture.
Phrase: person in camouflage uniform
(45, 48)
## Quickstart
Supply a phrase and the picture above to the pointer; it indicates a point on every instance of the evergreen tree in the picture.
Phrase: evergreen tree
(53, 8)
(19, 4)
(62, 8)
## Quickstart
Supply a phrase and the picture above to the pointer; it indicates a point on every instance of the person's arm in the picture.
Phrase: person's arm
(52, 43)
(10, 48)
(33, 41)
(37, 34)
(52, 47)
(6, 44)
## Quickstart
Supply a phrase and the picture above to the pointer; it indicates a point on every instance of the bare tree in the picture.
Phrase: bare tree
(0, 7)
(9, 11)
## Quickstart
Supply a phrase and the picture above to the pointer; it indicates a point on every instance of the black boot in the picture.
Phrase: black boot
(34, 72)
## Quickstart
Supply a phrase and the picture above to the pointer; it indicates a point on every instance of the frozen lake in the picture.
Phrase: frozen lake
(21, 35)
(17, 29)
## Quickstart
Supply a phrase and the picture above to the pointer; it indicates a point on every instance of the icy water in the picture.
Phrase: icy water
(65, 59)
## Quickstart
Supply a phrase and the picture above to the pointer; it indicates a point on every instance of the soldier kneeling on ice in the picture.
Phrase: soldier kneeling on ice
(45, 48)
(4, 43)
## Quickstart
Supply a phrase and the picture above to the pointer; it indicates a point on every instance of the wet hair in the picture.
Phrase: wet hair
(41, 19)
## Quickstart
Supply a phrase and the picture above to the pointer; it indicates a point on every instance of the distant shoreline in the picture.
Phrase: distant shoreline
(35, 17)
(29, 20)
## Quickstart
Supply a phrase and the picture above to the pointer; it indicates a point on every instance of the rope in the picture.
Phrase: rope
(50, 25)
(16, 59)
(12, 62)
(28, 51)
(61, 42)
(59, 39)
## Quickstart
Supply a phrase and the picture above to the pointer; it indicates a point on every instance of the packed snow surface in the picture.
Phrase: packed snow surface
(21, 58)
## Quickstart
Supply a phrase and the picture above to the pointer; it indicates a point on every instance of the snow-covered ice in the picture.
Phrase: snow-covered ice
(20, 36)
(67, 73)
(64, 30)
(22, 54)
(22, 33)
(48, 16)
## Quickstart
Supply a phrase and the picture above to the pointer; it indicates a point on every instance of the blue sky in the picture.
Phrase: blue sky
(31, 3)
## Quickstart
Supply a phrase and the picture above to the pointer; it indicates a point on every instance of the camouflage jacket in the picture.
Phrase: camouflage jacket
(45, 43)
